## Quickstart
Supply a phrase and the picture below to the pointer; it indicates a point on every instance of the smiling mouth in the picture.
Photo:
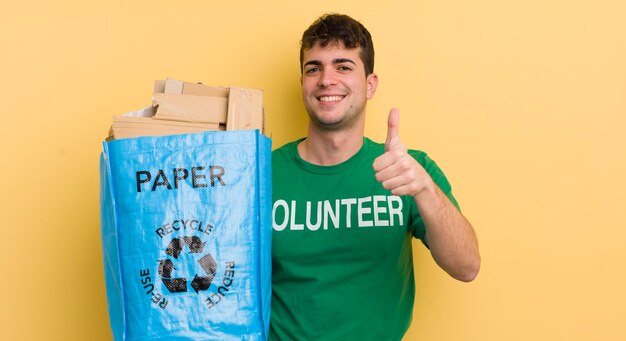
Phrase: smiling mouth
(330, 98)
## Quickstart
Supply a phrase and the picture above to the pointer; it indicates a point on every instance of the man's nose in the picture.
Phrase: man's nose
(327, 78)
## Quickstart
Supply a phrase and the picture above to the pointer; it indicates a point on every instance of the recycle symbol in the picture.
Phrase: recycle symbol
(179, 284)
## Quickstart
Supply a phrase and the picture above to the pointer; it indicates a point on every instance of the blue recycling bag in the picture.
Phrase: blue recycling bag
(186, 234)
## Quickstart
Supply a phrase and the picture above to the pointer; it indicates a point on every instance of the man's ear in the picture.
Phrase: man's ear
(372, 84)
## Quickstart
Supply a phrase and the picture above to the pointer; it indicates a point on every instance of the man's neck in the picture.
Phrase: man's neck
(327, 148)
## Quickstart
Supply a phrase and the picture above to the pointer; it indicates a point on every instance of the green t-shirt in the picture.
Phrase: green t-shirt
(342, 265)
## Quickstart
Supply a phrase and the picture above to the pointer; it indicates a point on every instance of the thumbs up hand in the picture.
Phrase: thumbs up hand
(393, 135)
(398, 171)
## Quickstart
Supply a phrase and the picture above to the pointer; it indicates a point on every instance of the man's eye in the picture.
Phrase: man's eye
(344, 68)
(312, 70)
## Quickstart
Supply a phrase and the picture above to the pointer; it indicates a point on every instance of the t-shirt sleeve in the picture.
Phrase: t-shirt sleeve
(416, 224)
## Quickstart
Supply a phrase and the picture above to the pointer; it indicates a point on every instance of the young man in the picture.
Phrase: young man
(346, 208)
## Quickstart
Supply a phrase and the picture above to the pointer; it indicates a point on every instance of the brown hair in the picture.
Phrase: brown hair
(336, 28)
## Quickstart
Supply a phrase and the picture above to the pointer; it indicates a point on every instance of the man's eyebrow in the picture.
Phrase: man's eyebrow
(335, 61)
(313, 62)
(343, 60)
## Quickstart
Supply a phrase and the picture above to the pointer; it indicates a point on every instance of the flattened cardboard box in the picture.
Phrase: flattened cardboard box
(237, 108)
(181, 107)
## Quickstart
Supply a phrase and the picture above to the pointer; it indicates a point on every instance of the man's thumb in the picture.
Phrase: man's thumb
(393, 135)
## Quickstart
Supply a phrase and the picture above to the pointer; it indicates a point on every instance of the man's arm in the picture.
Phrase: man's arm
(449, 235)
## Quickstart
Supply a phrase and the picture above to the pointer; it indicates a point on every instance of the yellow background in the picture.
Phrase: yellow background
(522, 103)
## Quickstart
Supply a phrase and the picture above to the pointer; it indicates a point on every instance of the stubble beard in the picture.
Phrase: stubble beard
(348, 118)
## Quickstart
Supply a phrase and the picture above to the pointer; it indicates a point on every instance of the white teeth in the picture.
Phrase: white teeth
(330, 98)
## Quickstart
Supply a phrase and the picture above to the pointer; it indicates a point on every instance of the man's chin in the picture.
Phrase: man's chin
(330, 125)
(332, 121)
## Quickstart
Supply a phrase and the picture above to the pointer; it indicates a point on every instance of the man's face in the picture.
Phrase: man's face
(334, 86)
